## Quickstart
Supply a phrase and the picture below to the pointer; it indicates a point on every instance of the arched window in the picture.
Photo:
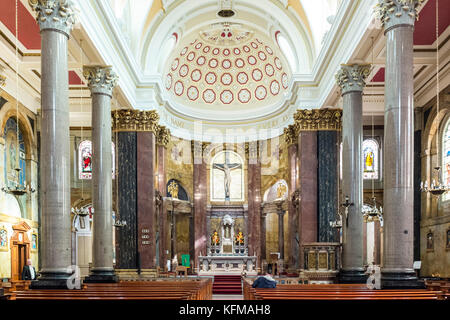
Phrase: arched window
(85, 159)
(227, 177)
(14, 158)
(286, 48)
(446, 159)
(371, 159)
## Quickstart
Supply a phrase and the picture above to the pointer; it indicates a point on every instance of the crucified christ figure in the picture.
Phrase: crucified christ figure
(227, 167)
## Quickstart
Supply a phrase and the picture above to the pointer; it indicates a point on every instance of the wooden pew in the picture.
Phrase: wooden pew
(336, 292)
(135, 290)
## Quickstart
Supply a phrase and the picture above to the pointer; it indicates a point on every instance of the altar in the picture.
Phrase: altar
(227, 249)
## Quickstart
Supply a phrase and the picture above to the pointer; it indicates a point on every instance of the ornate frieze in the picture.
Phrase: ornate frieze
(318, 119)
(397, 12)
(101, 79)
(163, 136)
(352, 77)
(54, 14)
(290, 135)
(135, 120)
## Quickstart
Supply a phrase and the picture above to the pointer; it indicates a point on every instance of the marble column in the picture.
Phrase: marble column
(162, 140)
(55, 20)
(291, 140)
(280, 213)
(101, 81)
(200, 193)
(398, 18)
(351, 79)
(263, 237)
(254, 202)
(307, 222)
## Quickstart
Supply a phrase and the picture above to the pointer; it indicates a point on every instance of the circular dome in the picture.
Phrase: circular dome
(234, 71)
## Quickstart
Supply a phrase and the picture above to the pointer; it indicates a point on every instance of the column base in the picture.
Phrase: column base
(101, 277)
(401, 280)
(352, 276)
(53, 281)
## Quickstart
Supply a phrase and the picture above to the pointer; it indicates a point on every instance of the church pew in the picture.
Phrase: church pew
(337, 291)
(184, 290)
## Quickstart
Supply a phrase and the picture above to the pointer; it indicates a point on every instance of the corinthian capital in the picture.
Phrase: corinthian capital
(100, 79)
(54, 14)
(163, 136)
(352, 77)
(397, 12)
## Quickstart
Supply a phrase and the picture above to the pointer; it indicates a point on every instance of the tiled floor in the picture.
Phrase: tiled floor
(227, 297)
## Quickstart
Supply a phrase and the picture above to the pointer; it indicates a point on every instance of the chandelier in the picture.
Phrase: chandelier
(18, 189)
(436, 188)
(372, 212)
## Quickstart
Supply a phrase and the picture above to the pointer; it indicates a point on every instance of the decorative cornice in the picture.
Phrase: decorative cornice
(163, 136)
(318, 119)
(397, 12)
(351, 77)
(135, 120)
(101, 79)
(290, 135)
(54, 14)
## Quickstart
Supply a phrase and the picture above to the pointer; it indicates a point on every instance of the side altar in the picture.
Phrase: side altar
(227, 246)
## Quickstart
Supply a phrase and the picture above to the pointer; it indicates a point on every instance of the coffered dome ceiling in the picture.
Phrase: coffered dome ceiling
(226, 72)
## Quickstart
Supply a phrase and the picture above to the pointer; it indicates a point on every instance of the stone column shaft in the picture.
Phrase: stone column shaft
(101, 82)
(281, 233)
(351, 80)
(398, 20)
(55, 150)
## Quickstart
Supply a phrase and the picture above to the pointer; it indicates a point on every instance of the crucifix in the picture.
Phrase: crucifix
(227, 167)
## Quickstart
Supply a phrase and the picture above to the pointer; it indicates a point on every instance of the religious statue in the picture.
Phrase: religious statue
(239, 239)
(173, 189)
(227, 167)
(215, 240)
(281, 190)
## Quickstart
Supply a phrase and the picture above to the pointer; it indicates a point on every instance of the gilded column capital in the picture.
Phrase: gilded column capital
(394, 13)
(135, 120)
(290, 135)
(101, 79)
(54, 14)
(162, 136)
(352, 77)
(318, 119)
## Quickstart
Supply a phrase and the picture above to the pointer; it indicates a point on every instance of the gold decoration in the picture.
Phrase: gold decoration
(163, 136)
(173, 189)
(318, 119)
(281, 190)
(135, 120)
(2, 80)
(290, 135)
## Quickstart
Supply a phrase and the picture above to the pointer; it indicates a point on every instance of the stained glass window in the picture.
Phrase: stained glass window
(371, 162)
(446, 159)
(14, 158)
(85, 159)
